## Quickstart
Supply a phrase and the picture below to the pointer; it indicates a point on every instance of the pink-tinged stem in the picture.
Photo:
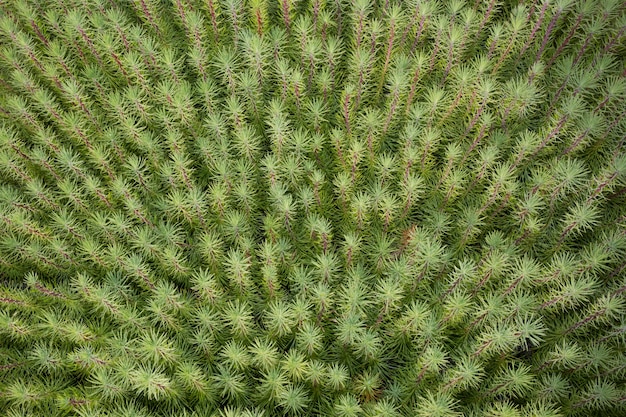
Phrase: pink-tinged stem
(535, 29)
(557, 95)
(89, 43)
(391, 112)
(339, 20)
(601, 105)
(583, 48)
(346, 112)
(421, 375)
(10, 301)
(418, 34)
(296, 92)
(359, 32)
(474, 119)
(491, 200)
(451, 107)
(388, 54)
(482, 282)
(316, 11)
(285, 6)
(259, 22)
(565, 42)
(148, 16)
(552, 134)
(621, 289)
(181, 11)
(601, 187)
(433, 58)
(408, 28)
(550, 302)
(549, 30)
(612, 125)
(35, 27)
(576, 142)
(477, 178)
(492, 48)
(506, 115)
(373, 44)
(482, 348)
(424, 155)
(585, 321)
(413, 90)
(505, 200)
(504, 55)
(607, 337)
(449, 65)
(513, 286)
(213, 19)
(487, 15)
(407, 206)
(614, 39)
(474, 144)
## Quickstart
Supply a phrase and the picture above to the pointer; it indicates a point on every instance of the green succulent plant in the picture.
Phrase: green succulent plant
(246, 208)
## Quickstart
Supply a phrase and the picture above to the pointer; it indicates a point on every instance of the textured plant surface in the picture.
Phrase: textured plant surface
(337, 208)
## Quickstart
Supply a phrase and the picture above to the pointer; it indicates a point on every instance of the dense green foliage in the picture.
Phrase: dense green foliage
(339, 208)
